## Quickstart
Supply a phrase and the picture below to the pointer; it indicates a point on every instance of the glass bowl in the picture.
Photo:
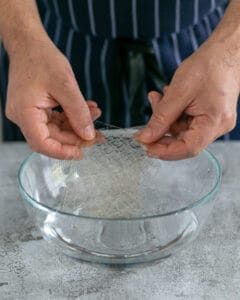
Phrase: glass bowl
(118, 205)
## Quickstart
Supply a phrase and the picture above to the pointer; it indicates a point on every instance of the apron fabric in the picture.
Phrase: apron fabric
(119, 52)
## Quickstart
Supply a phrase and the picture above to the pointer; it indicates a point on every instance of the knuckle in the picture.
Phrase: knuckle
(34, 147)
(231, 125)
(159, 118)
(9, 112)
(65, 78)
(181, 90)
(192, 151)
(67, 65)
(67, 82)
(68, 71)
(229, 120)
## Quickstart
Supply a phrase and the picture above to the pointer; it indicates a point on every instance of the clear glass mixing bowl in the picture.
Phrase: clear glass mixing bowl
(117, 205)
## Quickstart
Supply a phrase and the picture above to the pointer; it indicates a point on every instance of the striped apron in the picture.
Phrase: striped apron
(121, 49)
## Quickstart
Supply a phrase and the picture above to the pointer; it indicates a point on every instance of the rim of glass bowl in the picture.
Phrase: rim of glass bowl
(49, 209)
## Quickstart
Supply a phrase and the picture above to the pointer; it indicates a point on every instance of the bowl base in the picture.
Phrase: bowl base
(151, 249)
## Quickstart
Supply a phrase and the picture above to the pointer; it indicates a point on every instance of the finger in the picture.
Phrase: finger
(95, 113)
(47, 102)
(178, 127)
(166, 113)
(165, 89)
(154, 98)
(99, 138)
(70, 138)
(63, 136)
(188, 144)
(75, 108)
(61, 120)
(182, 124)
(91, 103)
(58, 118)
(55, 149)
(35, 129)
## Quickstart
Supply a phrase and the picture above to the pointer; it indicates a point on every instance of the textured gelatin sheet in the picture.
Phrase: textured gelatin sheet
(108, 181)
(116, 179)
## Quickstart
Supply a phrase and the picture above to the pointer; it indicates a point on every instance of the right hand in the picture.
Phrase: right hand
(41, 78)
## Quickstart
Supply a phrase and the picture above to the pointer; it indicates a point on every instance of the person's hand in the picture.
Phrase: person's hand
(41, 78)
(197, 107)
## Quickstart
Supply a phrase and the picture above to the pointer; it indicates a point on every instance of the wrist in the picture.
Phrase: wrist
(19, 24)
(227, 55)
(18, 41)
(225, 39)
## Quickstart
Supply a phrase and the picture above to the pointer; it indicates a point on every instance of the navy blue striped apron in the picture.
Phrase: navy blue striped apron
(102, 39)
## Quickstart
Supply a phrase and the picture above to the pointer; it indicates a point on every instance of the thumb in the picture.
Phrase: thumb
(154, 98)
(165, 113)
(76, 110)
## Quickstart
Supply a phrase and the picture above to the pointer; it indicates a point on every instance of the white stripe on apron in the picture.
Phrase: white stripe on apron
(213, 5)
(207, 24)
(88, 52)
(91, 16)
(196, 12)
(126, 102)
(46, 19)
(177, 16)
(134, 19)
(193, 38)
(104, 78)
(72, 15)
(176, 49)
(220, 11)
(57, 33)
(157, 52)
(55, 4)
(156, 18)
(69, 44)
(113, 18)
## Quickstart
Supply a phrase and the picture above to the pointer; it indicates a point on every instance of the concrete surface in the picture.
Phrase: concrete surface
(208, 269)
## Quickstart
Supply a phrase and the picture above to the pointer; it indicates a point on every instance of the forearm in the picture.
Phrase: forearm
(19, 24)
(227, 33)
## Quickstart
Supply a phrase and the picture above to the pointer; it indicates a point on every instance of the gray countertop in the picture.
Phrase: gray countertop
(207, 269)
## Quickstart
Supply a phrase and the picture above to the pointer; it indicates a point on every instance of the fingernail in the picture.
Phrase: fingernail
(150, 98)
(145, 133)
(89, 132)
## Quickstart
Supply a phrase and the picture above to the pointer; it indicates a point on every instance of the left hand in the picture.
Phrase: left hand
(199, 105)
